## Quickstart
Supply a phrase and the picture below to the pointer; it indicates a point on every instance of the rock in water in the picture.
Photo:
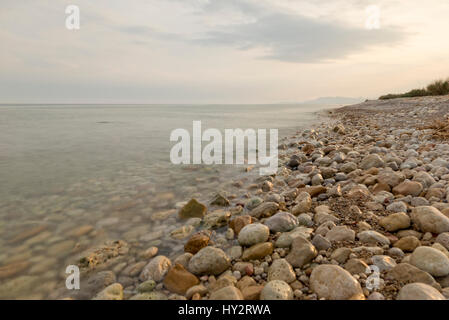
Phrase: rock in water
(179, 280)
(193, 209)
(276, 290)
(334, 283)
(208, 261)
(220, 200)
(197, 242)
(253, 234)
(430, 219)
(216, 219)
(419, 291)
(430, 260)
(156, 269)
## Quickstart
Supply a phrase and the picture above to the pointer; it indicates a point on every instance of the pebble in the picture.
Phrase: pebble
(156, 269)
(198, 289)
(430, 219)
(227, 293)
(356, 266)
(276, 290)
(407, 244)
(196, 243)
(341, 255)
(179, 280)
(372, 237)
(443, 239)
(430, 260)
(384, 263)
(395, 221)
(303, 203)
(419, 291)
(302, 252)
(340, 233)
(334, 283)
(280, 269)
(257, 251)
(112, 292)
(239, 222)
(265, 209)
(412, 188)
(183, 259)
(281, 222)
(209, 260)
(321, 243)
(252, 234)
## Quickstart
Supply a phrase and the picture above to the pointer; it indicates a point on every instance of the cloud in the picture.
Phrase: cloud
(295, 38)
(283, 34)
(148, 32)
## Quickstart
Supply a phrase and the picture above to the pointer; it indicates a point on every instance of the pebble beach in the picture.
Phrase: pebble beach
(358, 210)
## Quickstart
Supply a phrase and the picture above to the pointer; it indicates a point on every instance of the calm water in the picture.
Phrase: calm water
(73, 176)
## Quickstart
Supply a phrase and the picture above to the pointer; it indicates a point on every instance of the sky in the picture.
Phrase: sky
(219, 51)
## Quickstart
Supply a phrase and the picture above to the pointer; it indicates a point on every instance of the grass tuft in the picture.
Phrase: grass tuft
(436, 88)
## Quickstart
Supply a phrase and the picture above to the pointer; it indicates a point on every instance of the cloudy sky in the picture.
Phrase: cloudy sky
(218, 51)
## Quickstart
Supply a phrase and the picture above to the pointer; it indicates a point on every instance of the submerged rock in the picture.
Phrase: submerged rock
(156, 269)
(193, 209)
(220, 200)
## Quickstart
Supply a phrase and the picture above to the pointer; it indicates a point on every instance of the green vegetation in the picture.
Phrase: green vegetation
(436, 88)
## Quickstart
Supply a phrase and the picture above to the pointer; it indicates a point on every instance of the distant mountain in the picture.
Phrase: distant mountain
(335, 100)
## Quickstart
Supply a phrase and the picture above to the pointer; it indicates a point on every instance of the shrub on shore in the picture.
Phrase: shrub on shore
(436, 88)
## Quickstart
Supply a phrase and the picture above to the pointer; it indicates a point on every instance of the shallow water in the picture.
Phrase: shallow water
(73, 176)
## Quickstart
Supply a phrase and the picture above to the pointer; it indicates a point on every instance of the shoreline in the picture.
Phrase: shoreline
(343, 200)
(348, 204)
